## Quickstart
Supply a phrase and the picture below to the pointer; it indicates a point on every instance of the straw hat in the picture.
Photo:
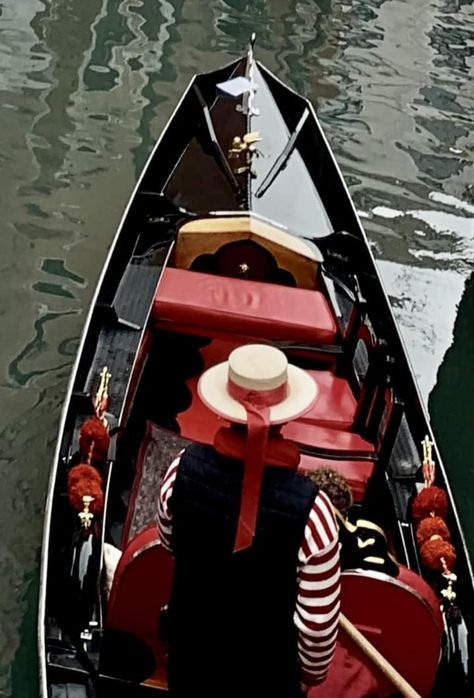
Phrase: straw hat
(258, 368)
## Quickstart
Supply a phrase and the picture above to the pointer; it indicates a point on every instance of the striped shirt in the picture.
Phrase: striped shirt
(317, 604)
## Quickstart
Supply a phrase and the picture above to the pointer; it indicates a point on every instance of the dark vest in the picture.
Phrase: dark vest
(231, 614)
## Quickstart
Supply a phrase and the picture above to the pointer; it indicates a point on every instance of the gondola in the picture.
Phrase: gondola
(241, 229)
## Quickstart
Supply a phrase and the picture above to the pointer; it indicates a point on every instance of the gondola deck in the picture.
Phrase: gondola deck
(222, 245)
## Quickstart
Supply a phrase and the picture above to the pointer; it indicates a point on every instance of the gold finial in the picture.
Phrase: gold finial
(245, 144)
(243, 150)
(251, 138)
(449, 592)
(428, 463)
(86, 515)
(450, 577)
(101, 397)
(427, 448)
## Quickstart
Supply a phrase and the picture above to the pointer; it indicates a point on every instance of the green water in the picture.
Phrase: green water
(85, 89)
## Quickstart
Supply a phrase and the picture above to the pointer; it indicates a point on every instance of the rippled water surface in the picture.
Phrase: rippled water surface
(85, 88)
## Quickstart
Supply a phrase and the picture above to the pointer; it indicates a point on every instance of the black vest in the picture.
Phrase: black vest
(231, 614)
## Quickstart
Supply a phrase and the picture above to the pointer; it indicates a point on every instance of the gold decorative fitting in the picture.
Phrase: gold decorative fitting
(361, 544)
(449, 593)
(102, 395)
(427, 448)
(428, 463)
(243, 150)
(85, 515)
(450, 577)
(374, 560)
(246, 143)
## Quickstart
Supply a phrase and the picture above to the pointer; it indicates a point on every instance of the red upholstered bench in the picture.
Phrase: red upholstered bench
(336, 404)
(398, 616)
(190, 301)
(141, 587)
(335, 441)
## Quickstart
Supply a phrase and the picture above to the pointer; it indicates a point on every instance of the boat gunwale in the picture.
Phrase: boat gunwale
(48, 509)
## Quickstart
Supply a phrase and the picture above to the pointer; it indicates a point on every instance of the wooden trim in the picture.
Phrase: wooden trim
(207, 235)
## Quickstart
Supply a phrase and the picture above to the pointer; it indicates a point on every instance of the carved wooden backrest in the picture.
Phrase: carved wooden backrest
(207, 235)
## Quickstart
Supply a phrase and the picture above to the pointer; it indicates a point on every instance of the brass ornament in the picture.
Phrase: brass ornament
(428, 463)
(102, 395)
(448, 593)
(243, 151)
(86, 515)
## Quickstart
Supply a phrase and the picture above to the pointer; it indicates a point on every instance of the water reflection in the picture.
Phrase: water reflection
(64, 31)
(86, 88)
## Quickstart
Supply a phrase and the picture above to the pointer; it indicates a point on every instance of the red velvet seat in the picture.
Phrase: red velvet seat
(141, 587)
(401, 618)
(325, 439)
(199, 423)
(199, 303)
(336, 404)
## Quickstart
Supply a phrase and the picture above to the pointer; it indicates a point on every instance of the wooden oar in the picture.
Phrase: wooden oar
(378, 659)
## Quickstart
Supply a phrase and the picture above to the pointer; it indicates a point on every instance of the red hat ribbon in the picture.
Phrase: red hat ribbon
(257, 404)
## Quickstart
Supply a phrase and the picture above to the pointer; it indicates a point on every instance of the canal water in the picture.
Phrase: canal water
(85, 89)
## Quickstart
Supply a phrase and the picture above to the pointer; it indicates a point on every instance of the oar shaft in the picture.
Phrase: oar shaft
(378, 659)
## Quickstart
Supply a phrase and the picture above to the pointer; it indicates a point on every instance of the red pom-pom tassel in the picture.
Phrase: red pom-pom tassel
(430, 501)
(90, 488)
(438, 554)
(83, 471)
(432, 526)
(94, 434)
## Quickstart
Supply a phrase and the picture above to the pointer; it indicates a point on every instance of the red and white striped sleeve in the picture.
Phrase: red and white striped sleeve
(163, 518)
(317, 604)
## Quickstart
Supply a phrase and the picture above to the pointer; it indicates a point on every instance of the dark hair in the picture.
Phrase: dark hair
(335, 486)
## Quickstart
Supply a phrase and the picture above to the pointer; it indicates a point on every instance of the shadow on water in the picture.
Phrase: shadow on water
(451, 406)
(24, 669)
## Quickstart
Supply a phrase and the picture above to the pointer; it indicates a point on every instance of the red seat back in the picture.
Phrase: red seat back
(141, 587)
(214, 306)
(400, 617)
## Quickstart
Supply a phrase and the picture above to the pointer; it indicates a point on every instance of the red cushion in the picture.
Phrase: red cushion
(218, 305)
(332, 440)
(423, 589)
(396, 619)
(352, 675)
(332, 409)
(141, 587)
(356, 472)
(200, 424)
(336, 404)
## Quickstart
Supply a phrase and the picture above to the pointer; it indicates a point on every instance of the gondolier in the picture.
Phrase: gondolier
(255, 599)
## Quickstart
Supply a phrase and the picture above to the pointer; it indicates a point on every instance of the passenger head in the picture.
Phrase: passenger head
(335, 486)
